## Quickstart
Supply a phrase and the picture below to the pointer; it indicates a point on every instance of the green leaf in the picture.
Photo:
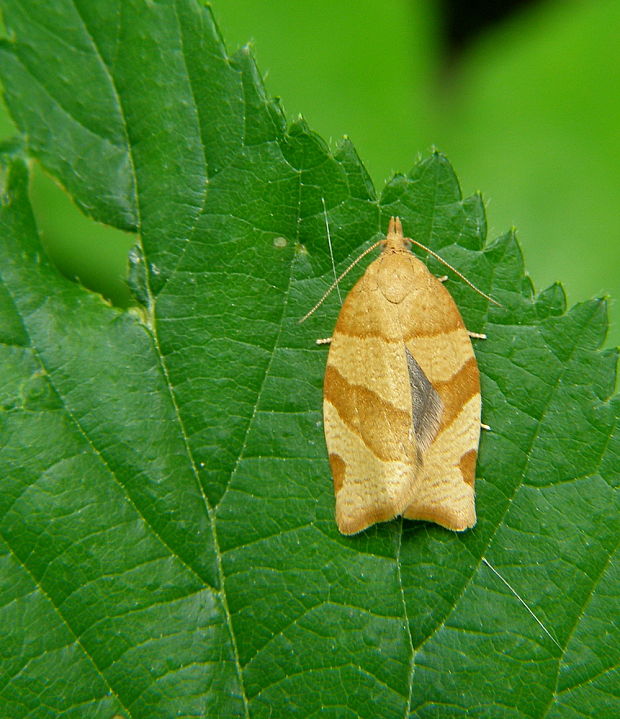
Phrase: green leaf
(166, 513)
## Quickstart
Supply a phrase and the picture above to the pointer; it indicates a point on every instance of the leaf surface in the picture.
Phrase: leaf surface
(166, 513)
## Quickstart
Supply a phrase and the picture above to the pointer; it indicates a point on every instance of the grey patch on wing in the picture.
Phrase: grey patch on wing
(426, 403)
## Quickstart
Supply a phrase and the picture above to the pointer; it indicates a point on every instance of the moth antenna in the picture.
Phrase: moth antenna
(331, 252)
(335, 283)
(525, 604)
(456, 272)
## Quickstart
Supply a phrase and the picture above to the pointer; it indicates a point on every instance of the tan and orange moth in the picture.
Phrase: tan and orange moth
(401, 398)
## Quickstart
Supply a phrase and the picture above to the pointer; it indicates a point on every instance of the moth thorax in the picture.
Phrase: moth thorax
(396, 276)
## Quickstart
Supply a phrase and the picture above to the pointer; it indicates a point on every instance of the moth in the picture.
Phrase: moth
(401, 398)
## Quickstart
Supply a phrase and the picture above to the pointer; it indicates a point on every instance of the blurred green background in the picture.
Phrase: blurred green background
(523, 98)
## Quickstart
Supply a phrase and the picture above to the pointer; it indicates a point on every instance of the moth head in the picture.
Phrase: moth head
(394, 240)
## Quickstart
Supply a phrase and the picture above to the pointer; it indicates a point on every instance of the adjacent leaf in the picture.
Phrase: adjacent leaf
(166, 512)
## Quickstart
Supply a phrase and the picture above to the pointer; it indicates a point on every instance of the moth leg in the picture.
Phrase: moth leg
(323, 341)
(477, 335)
(485, 426)
(443, 278)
